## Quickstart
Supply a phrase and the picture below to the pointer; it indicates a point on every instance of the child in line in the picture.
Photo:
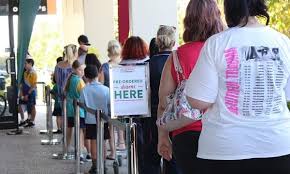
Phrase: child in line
(28, 92)
(73, 87)
(95, 96)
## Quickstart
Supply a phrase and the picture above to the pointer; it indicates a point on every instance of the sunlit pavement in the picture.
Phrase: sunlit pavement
(23, 154)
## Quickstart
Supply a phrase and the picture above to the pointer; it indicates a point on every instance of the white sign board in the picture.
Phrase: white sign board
(130, 91)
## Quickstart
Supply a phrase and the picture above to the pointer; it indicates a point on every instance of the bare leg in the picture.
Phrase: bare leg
(94, 152)
(112, 141)
(59, 122)
(82, 138)
(21, 112)
(68, 136)
(33, 113)
(121, 140)
(88, 145)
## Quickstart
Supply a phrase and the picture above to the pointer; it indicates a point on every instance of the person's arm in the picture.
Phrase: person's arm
(101, 76)
(167, 86)
(33, 83)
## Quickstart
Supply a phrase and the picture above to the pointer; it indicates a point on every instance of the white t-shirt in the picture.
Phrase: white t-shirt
(243, 72)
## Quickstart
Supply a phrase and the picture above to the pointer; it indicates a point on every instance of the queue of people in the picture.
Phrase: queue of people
(236, 76)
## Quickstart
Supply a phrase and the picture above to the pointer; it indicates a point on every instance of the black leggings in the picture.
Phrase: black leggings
(277, 165)
(185, 147)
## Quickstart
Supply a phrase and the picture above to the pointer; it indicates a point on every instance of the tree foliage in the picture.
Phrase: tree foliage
(46, 46)
(279, 11)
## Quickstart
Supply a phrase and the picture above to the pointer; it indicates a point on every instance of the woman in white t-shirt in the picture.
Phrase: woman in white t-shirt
(240, 78)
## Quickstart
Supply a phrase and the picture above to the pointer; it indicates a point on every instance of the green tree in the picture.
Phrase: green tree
(46, 46)
(279, 11)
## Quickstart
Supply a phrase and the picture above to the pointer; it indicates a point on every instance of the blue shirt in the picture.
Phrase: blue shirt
(95, 96)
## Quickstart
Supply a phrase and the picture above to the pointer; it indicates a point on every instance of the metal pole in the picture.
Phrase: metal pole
(49, 124)
(77, 137)
(129, 151)
(64, 155)
(131, 138)
(12, 66)
(100, 143)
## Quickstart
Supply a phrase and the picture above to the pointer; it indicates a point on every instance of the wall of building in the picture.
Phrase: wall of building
(72, 20)
(147, 16)
(99, 24)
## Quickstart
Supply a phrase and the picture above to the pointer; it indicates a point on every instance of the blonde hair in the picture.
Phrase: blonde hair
(70, 53)
(114, 48)
(165, 37)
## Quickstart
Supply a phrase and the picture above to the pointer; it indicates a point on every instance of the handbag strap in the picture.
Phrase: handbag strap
(177, 67)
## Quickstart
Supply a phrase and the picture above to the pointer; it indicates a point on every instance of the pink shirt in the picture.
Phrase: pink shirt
(188, 55)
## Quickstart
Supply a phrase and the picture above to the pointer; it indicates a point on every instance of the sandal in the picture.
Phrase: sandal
(121, 147)
(109, 158)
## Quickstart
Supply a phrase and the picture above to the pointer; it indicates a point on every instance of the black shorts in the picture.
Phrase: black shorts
(91, 132)
(57, 112)
(71, 122)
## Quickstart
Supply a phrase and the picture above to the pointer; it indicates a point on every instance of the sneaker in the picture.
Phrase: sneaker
(83, 160)
(22, 123)
(88, 157)
(29, 125)
(59, 131)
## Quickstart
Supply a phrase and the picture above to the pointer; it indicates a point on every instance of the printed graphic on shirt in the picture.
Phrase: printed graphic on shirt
(254, 81)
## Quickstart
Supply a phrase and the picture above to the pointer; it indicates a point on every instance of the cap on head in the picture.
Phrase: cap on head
(83, 40)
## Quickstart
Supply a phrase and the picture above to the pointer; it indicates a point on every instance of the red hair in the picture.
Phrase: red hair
(135, 48)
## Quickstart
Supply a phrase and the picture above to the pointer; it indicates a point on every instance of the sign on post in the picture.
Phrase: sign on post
(130, 90)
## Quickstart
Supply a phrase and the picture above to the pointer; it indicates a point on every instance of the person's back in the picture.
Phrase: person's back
(156, 64)
(62, 71)
(74, 86)
(246, 72)
(96, 96)
(253, 66)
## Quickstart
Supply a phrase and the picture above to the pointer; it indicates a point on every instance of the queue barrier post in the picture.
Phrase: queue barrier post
(77, 137)
(49, 122)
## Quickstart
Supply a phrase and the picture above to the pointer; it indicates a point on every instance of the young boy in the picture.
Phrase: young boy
(95, 96)
(28, 91)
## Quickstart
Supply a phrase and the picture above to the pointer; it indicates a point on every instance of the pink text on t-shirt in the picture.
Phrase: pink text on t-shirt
(232, 80)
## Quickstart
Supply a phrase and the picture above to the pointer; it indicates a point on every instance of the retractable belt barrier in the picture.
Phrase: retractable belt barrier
(49, 122)
(64, 155)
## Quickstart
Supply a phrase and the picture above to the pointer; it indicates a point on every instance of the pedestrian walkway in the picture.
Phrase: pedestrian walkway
(23, 154)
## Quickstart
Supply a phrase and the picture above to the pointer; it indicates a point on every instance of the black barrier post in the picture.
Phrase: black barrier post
(49, 123)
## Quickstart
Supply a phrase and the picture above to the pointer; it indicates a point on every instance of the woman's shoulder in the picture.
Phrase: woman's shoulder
(63, 65)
